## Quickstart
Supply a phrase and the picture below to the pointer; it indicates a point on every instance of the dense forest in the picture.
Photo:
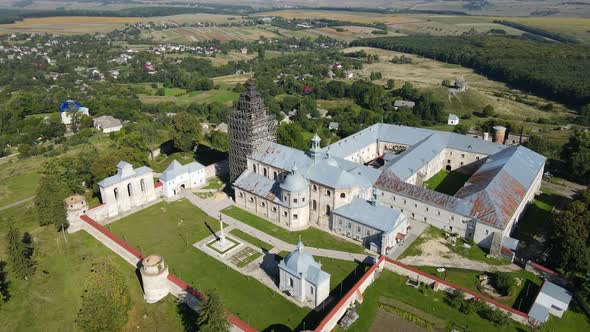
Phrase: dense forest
(556, 71)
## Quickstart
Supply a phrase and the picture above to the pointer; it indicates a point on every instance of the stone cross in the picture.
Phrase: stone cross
(222, 234)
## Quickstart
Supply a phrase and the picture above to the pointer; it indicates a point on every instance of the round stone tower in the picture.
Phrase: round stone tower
(154, 275)
(75, 207)
(295, 195)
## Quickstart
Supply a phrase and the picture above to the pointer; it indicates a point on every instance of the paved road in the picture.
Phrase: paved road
(24, 200)
(213, 207)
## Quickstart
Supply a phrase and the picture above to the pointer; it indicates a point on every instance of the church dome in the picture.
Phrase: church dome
(299, 261)
(294, 182)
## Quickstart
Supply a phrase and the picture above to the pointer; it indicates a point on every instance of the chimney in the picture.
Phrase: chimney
(499, 134)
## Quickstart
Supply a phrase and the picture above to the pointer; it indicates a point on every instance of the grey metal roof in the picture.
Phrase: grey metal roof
(326, 172)
(498, 187)
(302, 263)
(556, 292)
(375, 216)
(406, 103)
(175, 169)
(280, 156)
(453, 117)
(259, 185)
(539, 313)
(121, 175)
(107, 121)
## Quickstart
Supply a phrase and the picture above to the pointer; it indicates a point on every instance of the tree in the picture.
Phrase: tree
(571, 236)
(504, 283)
(488, 111)
(390, 84)
(49, 201)
(20, 252)
(186, 131)
(219, 140)
(212, 315)
(576, 154)
(105, 301)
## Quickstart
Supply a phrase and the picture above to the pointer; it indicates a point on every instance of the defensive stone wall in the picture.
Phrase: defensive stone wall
(355, 294)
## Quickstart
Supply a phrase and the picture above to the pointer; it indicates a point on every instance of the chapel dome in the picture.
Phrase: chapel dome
(294, 182)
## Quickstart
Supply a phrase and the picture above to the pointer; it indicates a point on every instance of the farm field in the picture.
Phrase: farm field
(179, 96)
(427, 73)
(90, 24)
(68, 25)
(219, 59)
(54, 292)
(194, 34)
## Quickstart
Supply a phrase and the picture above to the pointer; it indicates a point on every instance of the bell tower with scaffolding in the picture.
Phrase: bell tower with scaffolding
(249, 127)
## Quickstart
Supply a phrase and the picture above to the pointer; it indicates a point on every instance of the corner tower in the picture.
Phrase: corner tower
(249, 127)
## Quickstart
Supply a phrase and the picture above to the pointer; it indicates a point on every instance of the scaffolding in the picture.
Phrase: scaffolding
(249, 127)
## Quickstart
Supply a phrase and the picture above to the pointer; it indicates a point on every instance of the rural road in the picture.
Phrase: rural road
(24, 200)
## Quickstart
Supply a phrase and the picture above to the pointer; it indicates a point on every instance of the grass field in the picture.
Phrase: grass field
(446, 182)
(250, 239)
(429, 74)
(390, 285)
(170, 229)
(18, 179)
(50, 299)
(311, 237)
(223, 95)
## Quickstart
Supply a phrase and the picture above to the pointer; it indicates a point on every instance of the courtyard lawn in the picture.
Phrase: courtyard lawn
(573, 320)
(311, 237)
(214, 183)
(522, 296)
(446, 182)
(19, 178)
(537, 218)
(250, 239)
(392, 286)
(171, 229)
(51, 298)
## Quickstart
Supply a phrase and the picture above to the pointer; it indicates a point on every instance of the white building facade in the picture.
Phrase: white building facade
(178, 177)
(301, 277)
(128, 189)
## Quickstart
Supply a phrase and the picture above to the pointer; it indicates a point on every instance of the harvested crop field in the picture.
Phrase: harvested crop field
(194, 34)
(68, 25)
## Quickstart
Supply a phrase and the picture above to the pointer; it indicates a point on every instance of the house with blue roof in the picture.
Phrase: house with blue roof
(68, 108)
(302, 277)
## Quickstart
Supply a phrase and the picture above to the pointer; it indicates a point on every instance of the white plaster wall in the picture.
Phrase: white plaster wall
(124, 201)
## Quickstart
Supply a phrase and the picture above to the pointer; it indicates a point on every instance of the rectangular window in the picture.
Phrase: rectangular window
(294, 200)
(294, 216)
(285, 213)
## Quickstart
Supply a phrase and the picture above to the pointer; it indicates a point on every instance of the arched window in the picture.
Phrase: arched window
(274, 175)
(315, 188)
(265, 172)
(116, 192)
(328, 192)
(328, 210)
(142, 185)
(314, 205)
(342, 195)
(254, 168)
(129, 189)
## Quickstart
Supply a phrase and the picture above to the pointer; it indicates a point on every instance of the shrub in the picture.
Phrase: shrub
(455, 299)
(504, 283)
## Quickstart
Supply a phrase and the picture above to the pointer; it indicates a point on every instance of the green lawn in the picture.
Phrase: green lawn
(50, 299)
(573, 320)
(311, 237)
(250, 239)
(474, 252)
(390, 285)
(170, 229)
(468, 279)
(537, 218)
(214, 183)
(163, 161)
(446, 182)
(19, 179)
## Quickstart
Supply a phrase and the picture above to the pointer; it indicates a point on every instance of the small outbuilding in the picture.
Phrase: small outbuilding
(453, 120)
(552, 299)
(403, 103)
(107, 124)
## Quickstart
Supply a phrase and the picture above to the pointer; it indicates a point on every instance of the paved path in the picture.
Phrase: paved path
(213, 207)
(460, 263)
(24, 200)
